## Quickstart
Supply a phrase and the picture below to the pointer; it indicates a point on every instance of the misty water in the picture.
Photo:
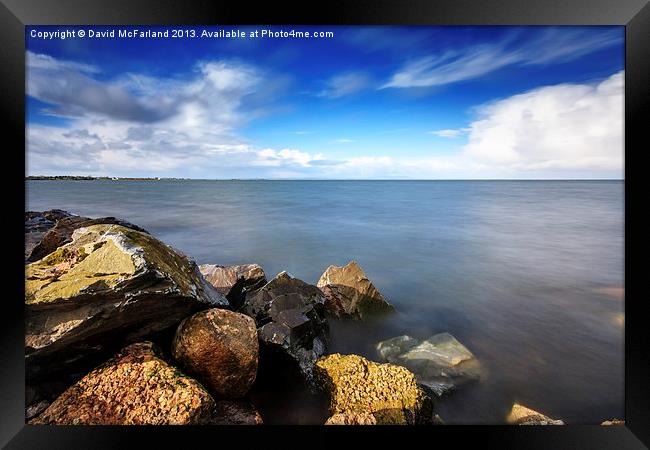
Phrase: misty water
(527, 274)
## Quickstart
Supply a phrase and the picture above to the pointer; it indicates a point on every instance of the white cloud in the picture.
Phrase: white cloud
(343, 141)
(549, 45)
(565, 127)
(284, 157)
(137, 124)
(450, 133)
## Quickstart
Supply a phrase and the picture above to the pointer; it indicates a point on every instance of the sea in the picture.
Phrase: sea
(528, 275)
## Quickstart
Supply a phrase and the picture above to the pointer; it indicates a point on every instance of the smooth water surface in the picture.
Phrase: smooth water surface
(527, 274)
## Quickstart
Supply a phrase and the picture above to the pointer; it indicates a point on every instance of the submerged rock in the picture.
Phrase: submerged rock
(352, 418)
(441, 363)
(109, 287)
(229, 412)
(387, 392)
(607, 423)
(611, 422)
(520, 415)
(291, 321)
(46, 231)
(234, 282)
(136, 387)
(349, 293)
(220, 348)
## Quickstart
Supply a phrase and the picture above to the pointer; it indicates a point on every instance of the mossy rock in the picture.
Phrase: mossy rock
(355, 385)
(110, 286)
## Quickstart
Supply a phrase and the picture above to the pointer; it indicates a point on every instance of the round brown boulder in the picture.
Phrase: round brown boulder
(220, 348)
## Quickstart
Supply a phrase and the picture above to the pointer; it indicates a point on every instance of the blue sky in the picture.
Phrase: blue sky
(369, 102)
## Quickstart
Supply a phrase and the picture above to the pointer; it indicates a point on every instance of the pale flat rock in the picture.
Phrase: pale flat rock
(521, 415)
(441, 363)
(349, 293)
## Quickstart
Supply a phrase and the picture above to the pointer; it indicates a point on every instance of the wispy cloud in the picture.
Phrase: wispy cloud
(345, 84)
(454, 65)
(343, 141)
(449, 133)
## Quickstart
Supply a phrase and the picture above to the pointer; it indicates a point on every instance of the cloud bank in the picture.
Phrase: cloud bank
(136, 125)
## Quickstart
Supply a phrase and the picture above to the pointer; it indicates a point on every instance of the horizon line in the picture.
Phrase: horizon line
(153, 178)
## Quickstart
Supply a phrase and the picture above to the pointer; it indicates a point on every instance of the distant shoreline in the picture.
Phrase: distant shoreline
(91, 178)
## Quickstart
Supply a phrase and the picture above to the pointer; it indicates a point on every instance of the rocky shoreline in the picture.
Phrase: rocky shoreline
(123, 329)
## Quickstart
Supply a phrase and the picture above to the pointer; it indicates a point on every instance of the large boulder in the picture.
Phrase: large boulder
(46, 231)
(220, 348)
(520, 415)
(136, 387)
(440, 363)
(291, 322)
(228, 412)
(234, 282)
(109, 287)
(349, 293)
(387, 392)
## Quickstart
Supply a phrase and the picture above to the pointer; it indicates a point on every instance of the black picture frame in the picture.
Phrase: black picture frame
(633, 14)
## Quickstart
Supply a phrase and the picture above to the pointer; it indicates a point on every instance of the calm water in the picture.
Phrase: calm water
(523, 273)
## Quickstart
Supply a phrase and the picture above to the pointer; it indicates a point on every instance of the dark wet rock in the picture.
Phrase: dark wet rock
(387, 392)
(220, 348)
(234, 282)
(136, 387)
(291, 322)
(46, 231)
(229, 412)
(39, 223)
(35, 409)
(349, 293)
(352, 418)
(441, 363)
(109, 287)
(521, 415)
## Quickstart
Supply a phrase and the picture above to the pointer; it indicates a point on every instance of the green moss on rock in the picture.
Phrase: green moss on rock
(388, 392)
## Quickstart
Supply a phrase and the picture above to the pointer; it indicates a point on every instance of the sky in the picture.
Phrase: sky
(366, 103)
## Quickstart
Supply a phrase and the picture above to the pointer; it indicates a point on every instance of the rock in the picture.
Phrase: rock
(613, 422)
(229, 412)
(291, 322)
(109, 287)
(441, 363)
(220, 348)
(234, 282)
(352, 418)
(39, 223)
(349, 293)
(386, 391)
(520, 415)
(47, 231)
(136, 387)
(35, 409)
